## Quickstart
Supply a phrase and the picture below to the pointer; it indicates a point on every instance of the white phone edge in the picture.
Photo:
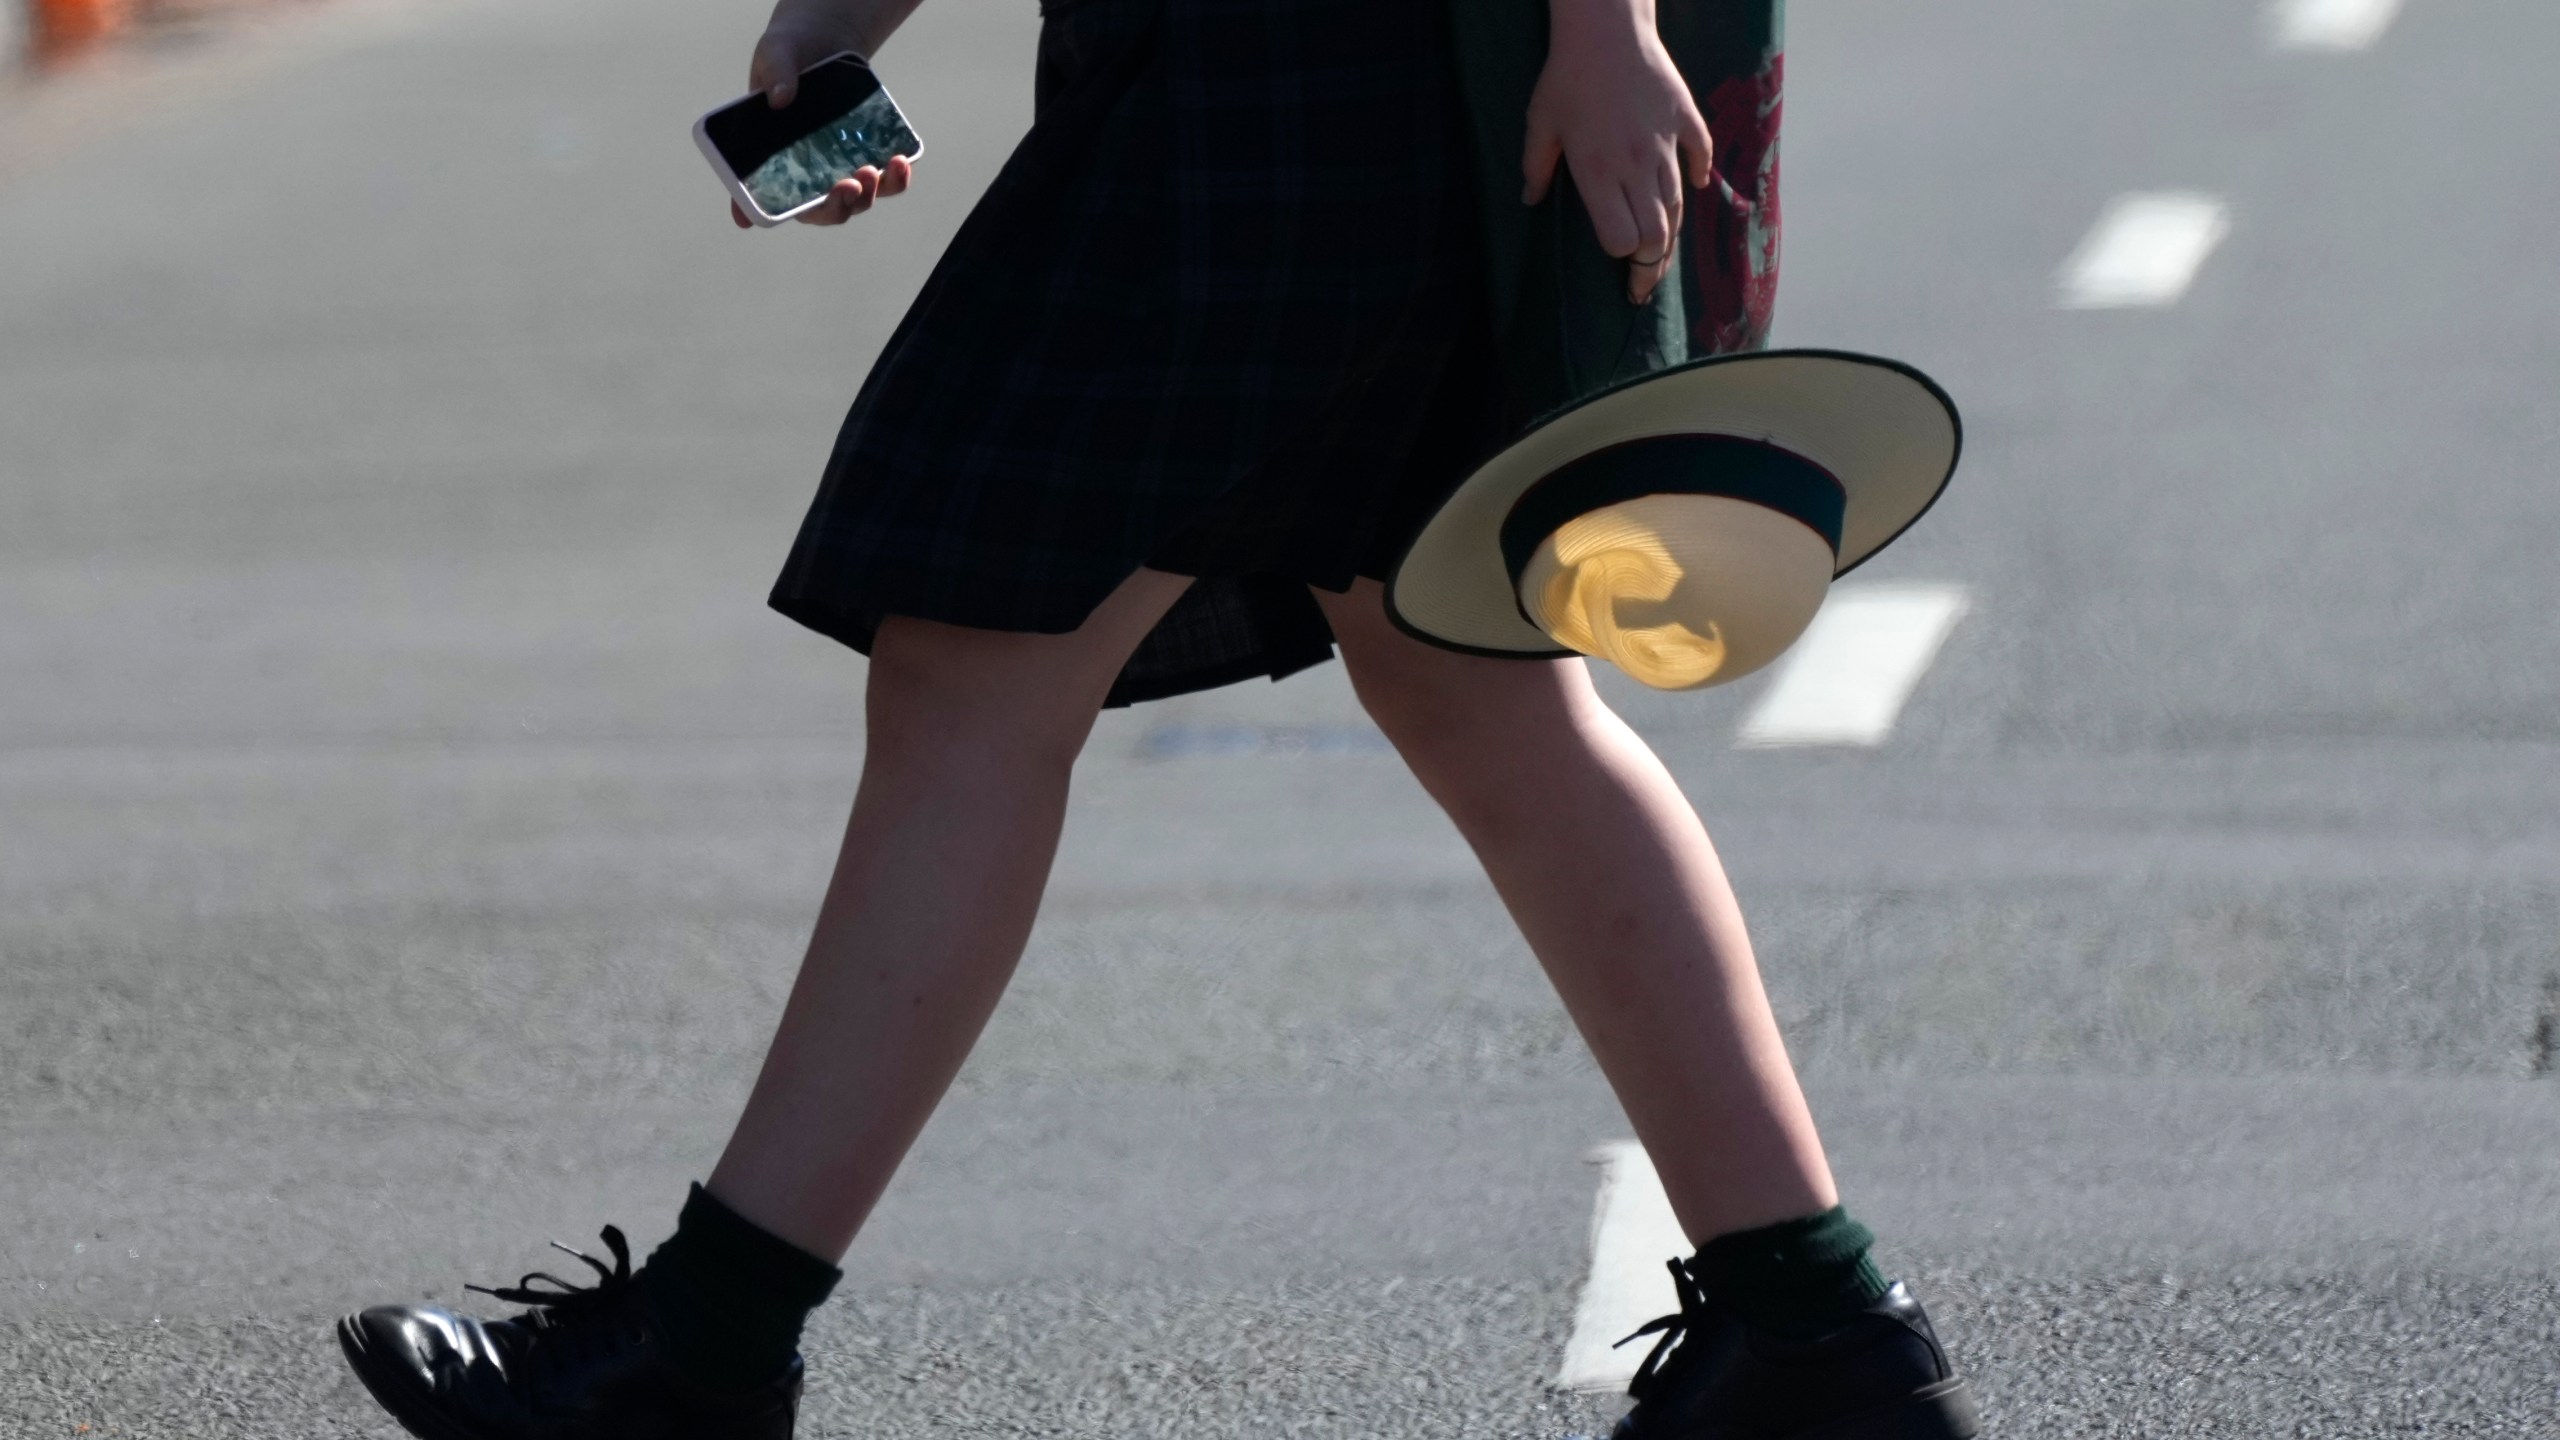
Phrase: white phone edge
(737, 188)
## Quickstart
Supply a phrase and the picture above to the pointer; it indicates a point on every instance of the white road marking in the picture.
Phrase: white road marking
(1632, 1234)
(2330, 24)
(2145, 250)
(1846, 680)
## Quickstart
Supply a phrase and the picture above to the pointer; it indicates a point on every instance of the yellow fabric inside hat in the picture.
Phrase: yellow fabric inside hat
(1679, 591)
(1604, 563)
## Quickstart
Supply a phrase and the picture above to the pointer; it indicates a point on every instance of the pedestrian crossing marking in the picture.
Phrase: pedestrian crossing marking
(2330, 24)
(2145, 250)
(1845, 682)
(1632, 1233)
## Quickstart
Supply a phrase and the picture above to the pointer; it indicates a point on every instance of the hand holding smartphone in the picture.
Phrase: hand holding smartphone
(788, 162)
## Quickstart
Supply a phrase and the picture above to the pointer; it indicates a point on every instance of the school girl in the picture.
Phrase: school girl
(1262, 283)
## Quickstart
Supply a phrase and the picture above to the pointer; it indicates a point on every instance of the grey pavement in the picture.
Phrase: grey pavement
(409, 814)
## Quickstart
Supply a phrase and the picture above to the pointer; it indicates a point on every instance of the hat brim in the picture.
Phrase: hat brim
(1885, 431)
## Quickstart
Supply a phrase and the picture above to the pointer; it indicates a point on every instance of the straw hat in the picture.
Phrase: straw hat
(1684, 525)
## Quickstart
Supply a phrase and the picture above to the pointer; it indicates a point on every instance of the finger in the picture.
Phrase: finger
(1538, 159)
(1675, 198)
(1613, 222)
(893, 180)
(774, 72)
(832, 210)
(1654, 220)
(845, 199)
(740, 216)
(1698, 146)
(1651, 257)
(852, 194)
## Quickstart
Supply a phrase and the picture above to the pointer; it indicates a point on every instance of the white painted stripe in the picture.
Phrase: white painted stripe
(1845, 681)
(1632, 1234)
(2330, 24)
(2145, 250)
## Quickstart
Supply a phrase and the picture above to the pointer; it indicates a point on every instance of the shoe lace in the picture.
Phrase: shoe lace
(557, 1310)
(1673, 1328)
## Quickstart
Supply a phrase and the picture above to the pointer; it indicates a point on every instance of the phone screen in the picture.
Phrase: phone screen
(839, 122)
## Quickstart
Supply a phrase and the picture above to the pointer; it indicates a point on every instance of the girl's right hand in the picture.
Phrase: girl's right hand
(1611, 107)
(802, 33)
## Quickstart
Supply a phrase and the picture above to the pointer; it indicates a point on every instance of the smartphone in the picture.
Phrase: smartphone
(778, 163)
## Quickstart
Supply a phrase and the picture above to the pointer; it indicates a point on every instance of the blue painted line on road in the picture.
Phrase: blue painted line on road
(1214, 742)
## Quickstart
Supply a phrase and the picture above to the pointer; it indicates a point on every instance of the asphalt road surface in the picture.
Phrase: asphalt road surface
(409, 814)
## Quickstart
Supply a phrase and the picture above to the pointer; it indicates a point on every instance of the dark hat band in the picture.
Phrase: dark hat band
(1725, 465)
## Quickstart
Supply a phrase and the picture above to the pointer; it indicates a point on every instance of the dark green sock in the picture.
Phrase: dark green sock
(1797, 1277)
(730, 1298)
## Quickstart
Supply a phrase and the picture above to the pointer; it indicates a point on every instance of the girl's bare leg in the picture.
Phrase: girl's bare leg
(1612, 879)
(971, 737)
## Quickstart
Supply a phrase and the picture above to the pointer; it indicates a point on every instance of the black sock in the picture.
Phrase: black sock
(1797, 1277)
(728, 1298)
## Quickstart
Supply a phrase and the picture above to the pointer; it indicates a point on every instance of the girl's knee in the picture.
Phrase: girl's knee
(1450, 703)
(1409, 708)
(1427, 698)
(965, 696)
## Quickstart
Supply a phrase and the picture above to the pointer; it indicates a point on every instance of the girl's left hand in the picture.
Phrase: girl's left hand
(1612, 106)
(850, 196)
(802, 33)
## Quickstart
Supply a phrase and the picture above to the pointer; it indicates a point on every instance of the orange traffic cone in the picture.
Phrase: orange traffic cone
(62, 26)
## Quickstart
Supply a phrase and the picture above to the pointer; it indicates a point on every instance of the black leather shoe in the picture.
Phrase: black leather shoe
(580, 1365)
(1880, 1375)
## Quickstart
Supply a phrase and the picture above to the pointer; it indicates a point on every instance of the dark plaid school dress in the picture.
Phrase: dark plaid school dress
(1226, 312)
